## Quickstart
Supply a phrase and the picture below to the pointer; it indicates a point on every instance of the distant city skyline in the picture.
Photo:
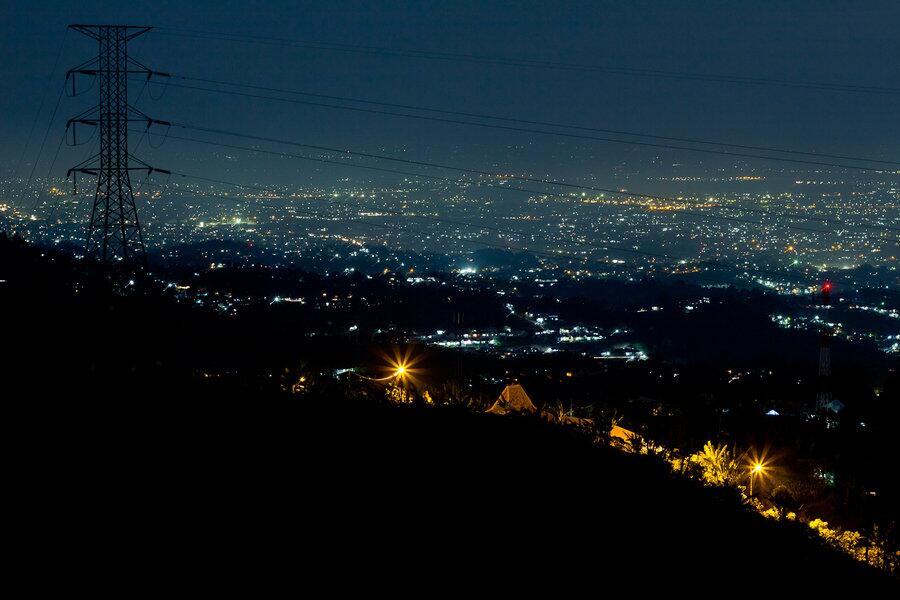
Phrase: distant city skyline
(516, 133)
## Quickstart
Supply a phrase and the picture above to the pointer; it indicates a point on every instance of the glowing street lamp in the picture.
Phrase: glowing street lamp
(756, 470)
(401, 374)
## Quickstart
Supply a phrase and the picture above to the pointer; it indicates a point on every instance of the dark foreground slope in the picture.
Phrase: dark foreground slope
(124, 475)
(178, 494)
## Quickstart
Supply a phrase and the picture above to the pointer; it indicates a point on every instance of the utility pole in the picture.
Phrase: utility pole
(823, 396)
(114, 233)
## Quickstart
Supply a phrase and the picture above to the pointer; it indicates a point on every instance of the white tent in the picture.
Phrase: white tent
(512, 399)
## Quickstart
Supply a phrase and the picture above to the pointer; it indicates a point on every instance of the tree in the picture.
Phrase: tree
(605, 418)
(785, 501)
(452, 393)
(718, 464)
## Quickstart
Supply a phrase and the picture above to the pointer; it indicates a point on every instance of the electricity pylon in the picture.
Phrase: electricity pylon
(114, 233)
(823, 396)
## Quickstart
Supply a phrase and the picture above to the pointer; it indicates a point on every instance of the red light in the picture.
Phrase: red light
(826, 287)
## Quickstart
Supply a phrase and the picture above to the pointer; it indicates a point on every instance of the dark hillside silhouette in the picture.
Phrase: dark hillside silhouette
(129, 473)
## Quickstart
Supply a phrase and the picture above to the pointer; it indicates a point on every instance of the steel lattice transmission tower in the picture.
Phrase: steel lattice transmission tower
(114, 233)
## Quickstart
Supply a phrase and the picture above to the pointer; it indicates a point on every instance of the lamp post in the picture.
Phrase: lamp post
(757, 469)
(400, 374)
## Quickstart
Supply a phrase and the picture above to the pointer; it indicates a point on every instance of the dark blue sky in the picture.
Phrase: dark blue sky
(841, 42)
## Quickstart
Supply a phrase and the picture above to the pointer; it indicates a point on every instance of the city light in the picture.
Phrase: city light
(758, 466)
(401, 367)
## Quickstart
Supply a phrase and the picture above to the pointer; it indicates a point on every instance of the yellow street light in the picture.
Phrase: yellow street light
(401, 372)
(756, 470)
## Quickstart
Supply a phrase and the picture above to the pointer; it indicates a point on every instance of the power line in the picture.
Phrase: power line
(27, 185)
(54, 207)
(40, 194)
(468, 184)
(40, 108)
(485, 174)
(531, 121)
(530, 130)
(526, 63)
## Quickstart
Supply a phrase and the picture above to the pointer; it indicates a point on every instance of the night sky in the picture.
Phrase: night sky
(844, 43)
